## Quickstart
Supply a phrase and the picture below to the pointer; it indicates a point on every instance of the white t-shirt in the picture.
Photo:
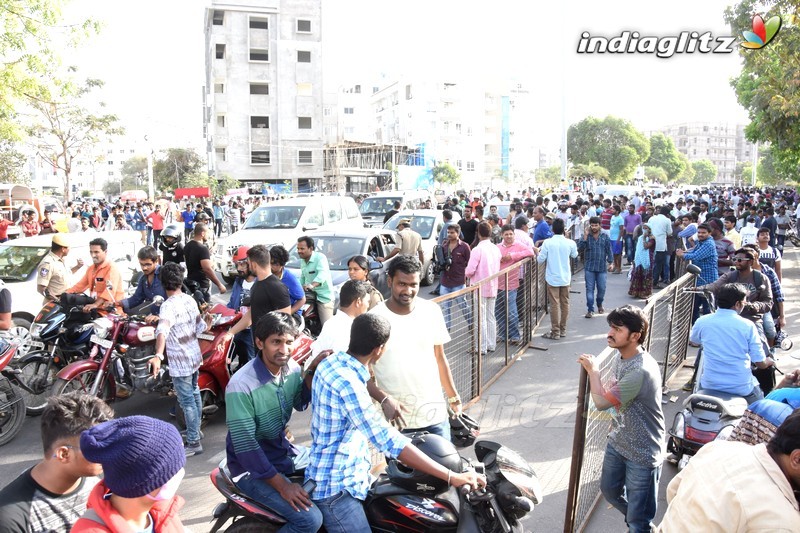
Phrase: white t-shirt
(335, 334)
(408, 370)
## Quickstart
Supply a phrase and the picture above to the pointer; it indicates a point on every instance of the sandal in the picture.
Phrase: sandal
(552, 336)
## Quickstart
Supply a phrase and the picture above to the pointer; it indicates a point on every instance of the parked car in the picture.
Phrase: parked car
(374, 208)
(19, 267)
(283, 221)
(340, 246)
(428, 223)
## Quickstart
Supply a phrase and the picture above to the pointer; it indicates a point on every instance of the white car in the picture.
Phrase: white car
(428, 223)
(19, 267)
(283, 222)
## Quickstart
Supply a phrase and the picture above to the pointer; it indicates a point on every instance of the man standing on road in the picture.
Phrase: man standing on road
(631, 220)
(53, 275)
(198, 262)
(315, 276)
(259, 401)
(725, 248)
(414, 370)
(457, 254)
(510, 252)
(558, 251)
(632, 463)
(543, 229)
(596, 247)
(187, 216)
(661, 228)
(469, 226)
(410, 242)
(52, 495)
(484, 262)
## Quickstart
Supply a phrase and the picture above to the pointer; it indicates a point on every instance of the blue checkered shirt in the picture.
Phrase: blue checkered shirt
(598, 252)
(704, 255)
(344, 421)
(775, 284)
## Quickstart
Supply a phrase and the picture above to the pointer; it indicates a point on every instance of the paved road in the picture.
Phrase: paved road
(530, 409)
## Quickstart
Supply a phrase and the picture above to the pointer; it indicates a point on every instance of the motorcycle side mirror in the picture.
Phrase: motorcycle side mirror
(158, 299)
(694, 270)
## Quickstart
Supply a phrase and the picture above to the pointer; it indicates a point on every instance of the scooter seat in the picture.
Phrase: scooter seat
(722, 402)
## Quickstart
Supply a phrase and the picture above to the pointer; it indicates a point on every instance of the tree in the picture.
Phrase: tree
(663, 154)
(171, 169)
(612, 143)
(767, 172)
(767, 86)
(687, 174)
(28, 52)
(592, 170)
(445, 174)
(656, 175)
(549, 175)
(12, 165)
(68, 128)
(704, 172)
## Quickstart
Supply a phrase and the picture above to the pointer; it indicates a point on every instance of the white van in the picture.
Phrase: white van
(374, 208)
(282, 222)
(19, 266)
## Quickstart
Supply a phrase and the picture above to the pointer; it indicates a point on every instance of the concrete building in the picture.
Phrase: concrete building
(263, 94)
(721, 143)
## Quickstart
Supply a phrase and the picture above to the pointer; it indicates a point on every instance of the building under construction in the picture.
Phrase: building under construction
(364, 167)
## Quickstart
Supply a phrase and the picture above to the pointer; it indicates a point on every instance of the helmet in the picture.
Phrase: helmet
(171, 235)
(241, 253)
(436, 448)
(463, 430)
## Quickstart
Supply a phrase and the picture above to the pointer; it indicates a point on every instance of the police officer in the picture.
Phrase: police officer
(53, 275)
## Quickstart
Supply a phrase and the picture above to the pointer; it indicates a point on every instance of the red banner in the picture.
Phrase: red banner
(195, 192)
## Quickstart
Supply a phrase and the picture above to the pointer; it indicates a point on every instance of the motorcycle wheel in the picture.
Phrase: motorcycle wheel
(251, 525)
(34, 374)
(12, 411)
(81, 383)
(795, 240)
(206, 399)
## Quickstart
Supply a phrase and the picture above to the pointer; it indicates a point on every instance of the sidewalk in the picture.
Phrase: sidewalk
(531, 408)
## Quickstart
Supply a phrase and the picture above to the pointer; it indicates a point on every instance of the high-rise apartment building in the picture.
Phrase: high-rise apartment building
(263, 94)
(723, 144)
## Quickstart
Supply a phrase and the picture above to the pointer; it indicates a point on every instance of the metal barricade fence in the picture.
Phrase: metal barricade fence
(669, 313)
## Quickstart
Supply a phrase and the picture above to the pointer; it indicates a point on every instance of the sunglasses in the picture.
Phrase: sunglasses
(741, 259)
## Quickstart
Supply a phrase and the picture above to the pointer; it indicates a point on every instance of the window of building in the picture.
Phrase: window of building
(458, 164)
(458, 128)
(259, 88)
(122, 151)
(259, 157)
(80, 173)
(303, 26)
(257, 54)
(304, 89)
(222, 154)
(349, 111)
(131, 151)
(110, 152)
(304, 157)
(110, 162)
(375, 89)
(220, 121)
(303, 56)
(408, 92)
(220, 51)
(257, 122)
(357, 89)
(258, 23)
(219, 88)
(349, 130)
(470, 166)
(110, 172)
(218, 18)
(304, 123)
(326, 112)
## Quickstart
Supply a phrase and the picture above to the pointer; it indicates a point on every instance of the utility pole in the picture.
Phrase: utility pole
(177, 174)
(755, 163)
(150, 188)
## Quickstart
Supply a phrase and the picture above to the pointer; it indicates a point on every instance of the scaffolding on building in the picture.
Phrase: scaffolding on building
(355, 167)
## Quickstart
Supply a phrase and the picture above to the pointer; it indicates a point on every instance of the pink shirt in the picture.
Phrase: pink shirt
(484, 262)
(523, 238)
(518, 251)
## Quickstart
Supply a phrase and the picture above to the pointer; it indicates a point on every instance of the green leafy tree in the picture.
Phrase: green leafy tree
(30, 34)
(548, 176)
(172, 168)
(704, 172)
(613, 143)
(767, 172)
(592, 170)
(656, 175)
(767, 86)
(12, 165)
(664, 154)
(743, 171)
(687, 174)
(134, 176)
(445, 174)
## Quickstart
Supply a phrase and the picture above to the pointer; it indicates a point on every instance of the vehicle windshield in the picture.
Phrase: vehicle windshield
(338, 250)
(275, 217)
(18, 262)
(422, 225)
(378, 206)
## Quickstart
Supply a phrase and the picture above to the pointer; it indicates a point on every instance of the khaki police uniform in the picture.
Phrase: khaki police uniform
(53, 274)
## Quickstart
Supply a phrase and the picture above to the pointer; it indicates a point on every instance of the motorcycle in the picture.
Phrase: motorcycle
(310, 315)
(118, 362)
(62, 335)
(12, 403)
(511, 492)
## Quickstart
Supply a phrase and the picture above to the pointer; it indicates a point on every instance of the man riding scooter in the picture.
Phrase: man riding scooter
(240, 301)
(149, 286)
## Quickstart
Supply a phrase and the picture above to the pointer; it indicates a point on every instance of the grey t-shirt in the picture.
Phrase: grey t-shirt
(638, 433)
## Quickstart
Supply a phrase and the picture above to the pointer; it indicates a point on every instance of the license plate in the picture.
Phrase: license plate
(36, 345)
(104, 343)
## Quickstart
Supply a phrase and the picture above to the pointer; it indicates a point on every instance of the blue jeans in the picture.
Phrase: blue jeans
(442, 429)
(630, 248)
(631, 488)
(701, 307)
(297, 521)
(595, 279)
(245, 346)
(342, 513)
(189, 399)
(461, 301)
(513, 315)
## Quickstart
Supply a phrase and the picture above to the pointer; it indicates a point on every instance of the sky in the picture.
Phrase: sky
(151, 56)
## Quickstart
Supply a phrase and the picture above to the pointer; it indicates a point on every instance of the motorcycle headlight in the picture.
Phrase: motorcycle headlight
(517, 470)
(102, 326)
(36, 330)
